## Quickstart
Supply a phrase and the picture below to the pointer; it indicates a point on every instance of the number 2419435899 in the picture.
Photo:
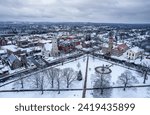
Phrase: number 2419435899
(106, 107)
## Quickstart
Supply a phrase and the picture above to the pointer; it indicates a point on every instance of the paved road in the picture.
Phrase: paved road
(85, 80)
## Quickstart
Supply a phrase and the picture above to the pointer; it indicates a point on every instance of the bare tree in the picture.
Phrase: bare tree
(58, 79)
(62, 60)
(35, 80)
(18, 84)
(93, 55)
(51, 76)
(41, 81)
(145, 68)
(21, 81)
(69, 75)
(102, 82)
(148, 92)
(126, 79)
(84, 59)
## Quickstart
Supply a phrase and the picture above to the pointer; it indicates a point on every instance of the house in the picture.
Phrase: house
(134, 53)
(116, 51)
(23, 43)
(68, 45)
(12, 49)
(36, 49)
(34, 41)
(120, 49)
(46, 50)
(4, 70)
(3, 41)
(86, 44)
(14, 62)
(2, 52)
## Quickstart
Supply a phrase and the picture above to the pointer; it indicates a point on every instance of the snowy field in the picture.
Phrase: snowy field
(93, 62)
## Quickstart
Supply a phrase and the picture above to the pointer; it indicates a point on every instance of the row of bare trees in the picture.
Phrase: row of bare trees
(57, 76)
(51, 78)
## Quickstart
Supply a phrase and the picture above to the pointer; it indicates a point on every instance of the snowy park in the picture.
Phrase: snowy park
(70, 76)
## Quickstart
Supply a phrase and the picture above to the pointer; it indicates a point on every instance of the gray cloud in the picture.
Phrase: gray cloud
(117, 11)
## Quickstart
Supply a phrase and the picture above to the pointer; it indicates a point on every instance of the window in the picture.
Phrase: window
(133, 54)
(129, 54)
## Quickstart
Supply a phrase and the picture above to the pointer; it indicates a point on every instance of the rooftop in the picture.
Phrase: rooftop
(10, 47)
(136, 49)
(48, 46)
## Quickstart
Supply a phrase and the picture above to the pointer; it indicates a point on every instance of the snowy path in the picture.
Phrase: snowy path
(85, 80)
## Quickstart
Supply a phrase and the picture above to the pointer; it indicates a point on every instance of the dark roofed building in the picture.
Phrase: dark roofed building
(146, 45)
(3, 41)
(14, 62)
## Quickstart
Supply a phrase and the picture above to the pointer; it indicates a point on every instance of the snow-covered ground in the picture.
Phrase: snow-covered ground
(93, 62)
(117, 71)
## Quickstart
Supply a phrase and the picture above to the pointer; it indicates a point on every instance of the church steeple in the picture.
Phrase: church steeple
(110, 43)
(55, 50)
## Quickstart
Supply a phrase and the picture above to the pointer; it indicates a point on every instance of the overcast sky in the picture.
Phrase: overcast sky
(105, 11)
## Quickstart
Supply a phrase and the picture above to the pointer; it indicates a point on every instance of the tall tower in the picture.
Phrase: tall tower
(110, 43)
(55, 50)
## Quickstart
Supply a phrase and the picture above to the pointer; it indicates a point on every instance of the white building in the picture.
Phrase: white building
(133, 53)
(55, 50)
(46, 50)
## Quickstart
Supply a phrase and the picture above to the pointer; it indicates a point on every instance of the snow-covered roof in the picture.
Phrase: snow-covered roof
(87, 42)
(27, 49)
(36, 48)
(5, 69)
(12, 58)
(135, 49)
(122, 46)
(23, 39)
(2, 52)
(93, 41)
(10, 47)
(48, 46)
(78, 46)
(45, 41)
(1, 66)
